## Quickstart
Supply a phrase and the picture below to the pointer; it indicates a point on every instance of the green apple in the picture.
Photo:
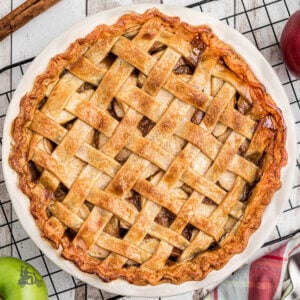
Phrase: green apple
(20, 281)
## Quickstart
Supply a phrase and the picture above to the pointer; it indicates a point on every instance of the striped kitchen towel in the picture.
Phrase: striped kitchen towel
(266, 278)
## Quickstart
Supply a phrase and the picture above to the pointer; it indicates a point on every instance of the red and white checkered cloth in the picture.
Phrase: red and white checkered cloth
(262, 279)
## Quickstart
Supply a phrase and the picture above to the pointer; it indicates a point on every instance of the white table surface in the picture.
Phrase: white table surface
(260, 20)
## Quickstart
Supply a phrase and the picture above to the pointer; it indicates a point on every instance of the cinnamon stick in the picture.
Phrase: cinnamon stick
(22, 15)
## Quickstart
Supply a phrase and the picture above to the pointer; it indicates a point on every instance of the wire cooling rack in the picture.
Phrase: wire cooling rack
(256, 20)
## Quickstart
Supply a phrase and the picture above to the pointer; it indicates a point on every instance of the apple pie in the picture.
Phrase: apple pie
(149, 150)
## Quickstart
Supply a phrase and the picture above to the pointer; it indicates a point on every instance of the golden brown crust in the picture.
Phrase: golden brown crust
(262, 107)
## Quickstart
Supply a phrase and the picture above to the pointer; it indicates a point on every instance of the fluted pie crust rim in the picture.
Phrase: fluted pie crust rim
(197, 268)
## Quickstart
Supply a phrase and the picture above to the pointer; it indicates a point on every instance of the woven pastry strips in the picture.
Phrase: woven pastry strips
(204, 156)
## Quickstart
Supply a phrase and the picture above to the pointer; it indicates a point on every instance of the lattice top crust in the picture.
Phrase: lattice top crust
(148, 150)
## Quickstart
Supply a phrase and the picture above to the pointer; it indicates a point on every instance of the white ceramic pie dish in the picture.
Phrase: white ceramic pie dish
(261, 69)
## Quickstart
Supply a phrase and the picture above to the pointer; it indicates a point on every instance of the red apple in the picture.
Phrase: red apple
(19, 280)
(290, 44)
